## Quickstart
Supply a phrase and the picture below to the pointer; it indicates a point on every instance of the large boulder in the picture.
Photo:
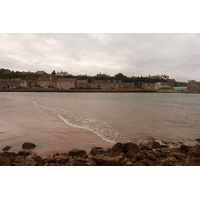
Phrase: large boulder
(130, 145)
(28, 145)
(118, 147)
(107, 161)
(130, 149)
(4, 160)
(77, 152)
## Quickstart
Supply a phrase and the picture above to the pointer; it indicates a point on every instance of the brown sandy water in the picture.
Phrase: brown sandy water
(23, 122)
(58, 122)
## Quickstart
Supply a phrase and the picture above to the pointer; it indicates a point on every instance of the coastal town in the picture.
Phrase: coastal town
(11, 80)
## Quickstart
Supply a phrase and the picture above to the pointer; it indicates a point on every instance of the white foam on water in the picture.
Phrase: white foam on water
(85, 127)
(101, 129)
(35, 104)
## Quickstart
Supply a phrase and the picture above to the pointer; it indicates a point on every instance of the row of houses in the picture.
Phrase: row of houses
(64, 83)
(67, 83)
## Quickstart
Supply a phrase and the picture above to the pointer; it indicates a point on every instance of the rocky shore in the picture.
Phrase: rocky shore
(121, 154)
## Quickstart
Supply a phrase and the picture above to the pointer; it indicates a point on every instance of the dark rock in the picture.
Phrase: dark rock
(39, 161)
(4, 160)
(77, 152)
(153, 144)
(149, 162)
(28, 145)
(24, 153)
(184, 148)
(107, 161)
(7, 148)
(163, 154)
(130, 145)
(62, 161)
(144, 147)
(164, 146)
(97, 150)
(50, 160)
(198, 139)
(81, 159)
(131, 149)
(107, 151)
(118, 147)
(13, 156)
(192, 161)
(194, 151)
(152, 157)
(139, 157)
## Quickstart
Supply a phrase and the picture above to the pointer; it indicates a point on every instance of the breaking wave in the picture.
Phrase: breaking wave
(102, 129)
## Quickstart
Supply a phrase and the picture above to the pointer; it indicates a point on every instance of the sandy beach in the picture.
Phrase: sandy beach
(49, 133)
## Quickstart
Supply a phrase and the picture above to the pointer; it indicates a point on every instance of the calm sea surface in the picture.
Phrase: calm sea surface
(112, 116)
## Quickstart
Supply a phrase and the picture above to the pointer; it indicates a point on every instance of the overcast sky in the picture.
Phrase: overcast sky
(177, 55)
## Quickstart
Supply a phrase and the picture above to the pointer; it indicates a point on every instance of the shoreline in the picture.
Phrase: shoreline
(119, 154)
(98, 90)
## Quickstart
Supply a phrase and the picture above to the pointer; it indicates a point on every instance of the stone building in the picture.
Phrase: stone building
(66, 83)
(13, 83)
(47, 82)
(82, 84)
(101, 84)
(129, 85)
(114, 84)
(148, 86)
(62, 73)
(31, 83)
(160, 85)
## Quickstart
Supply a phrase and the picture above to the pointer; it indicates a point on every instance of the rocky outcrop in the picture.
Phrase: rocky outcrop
(120, 154)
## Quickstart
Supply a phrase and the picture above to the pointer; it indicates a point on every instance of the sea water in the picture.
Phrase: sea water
(113, 117)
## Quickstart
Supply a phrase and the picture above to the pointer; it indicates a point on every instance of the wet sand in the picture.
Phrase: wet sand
(49, 133)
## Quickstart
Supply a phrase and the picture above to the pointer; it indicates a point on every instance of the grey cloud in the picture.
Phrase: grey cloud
(132, 54)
